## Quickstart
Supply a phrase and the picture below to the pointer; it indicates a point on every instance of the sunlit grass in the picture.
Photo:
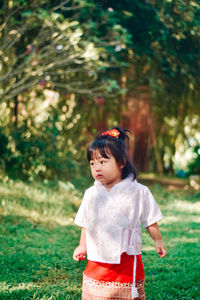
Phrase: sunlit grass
(40, 204)
(37, 238)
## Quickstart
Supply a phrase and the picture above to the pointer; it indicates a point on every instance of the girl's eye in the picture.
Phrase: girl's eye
(91, 163)
(102, 162)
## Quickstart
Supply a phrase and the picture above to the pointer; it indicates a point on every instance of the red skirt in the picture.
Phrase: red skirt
(113, 281)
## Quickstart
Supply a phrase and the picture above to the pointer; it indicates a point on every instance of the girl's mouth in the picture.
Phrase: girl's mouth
(99, 176)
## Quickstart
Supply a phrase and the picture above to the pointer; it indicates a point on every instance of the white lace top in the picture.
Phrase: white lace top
(112, 219)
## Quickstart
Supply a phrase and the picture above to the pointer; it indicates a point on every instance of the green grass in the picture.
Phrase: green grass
(177, 275)
(37, 239)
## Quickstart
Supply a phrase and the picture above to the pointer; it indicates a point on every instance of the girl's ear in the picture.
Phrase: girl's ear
(122, 164)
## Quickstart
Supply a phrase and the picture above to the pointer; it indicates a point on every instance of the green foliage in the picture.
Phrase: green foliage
(38, 237)
(53, 65)
(193, 166)
(81, 50)
(162, 54)
(42, 156)
(50, 45)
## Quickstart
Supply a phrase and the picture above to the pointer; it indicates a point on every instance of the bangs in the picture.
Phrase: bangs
(98, 147)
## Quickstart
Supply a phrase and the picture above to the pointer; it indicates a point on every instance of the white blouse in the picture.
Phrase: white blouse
(112, 219)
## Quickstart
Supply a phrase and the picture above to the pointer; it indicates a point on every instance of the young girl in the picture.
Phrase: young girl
(110, 216)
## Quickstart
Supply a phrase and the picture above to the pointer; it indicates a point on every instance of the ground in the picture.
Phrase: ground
(38, 236)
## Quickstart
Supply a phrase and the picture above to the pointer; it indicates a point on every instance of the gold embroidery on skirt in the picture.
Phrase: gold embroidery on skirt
(103, 290)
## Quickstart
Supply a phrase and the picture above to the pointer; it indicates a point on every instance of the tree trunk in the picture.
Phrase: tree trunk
(159, 164)
(16, 111)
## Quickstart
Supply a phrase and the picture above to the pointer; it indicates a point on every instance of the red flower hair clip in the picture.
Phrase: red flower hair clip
(113, 132)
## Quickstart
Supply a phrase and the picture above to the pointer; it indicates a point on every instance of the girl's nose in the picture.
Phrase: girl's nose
(98, 167)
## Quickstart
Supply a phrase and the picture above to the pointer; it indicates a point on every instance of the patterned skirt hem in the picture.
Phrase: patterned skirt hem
(106, 290)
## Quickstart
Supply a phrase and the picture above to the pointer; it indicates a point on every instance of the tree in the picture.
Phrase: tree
(39, 45)
(47, 46)
(163, 57)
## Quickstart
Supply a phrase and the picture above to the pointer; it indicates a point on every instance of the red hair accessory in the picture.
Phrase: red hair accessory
(113, 132)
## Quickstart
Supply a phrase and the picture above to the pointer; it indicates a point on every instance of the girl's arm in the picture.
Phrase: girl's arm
(80, 251)
(154, 232)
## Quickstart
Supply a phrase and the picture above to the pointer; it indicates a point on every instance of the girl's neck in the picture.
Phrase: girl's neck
(110, 185)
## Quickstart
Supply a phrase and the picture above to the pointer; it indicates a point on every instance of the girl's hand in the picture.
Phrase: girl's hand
(160, 248)
(79, 253)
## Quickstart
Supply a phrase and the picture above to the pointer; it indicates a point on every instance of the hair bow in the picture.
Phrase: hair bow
(113, 132)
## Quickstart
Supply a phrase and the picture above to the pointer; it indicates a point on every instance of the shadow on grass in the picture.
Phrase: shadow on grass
(174, 277)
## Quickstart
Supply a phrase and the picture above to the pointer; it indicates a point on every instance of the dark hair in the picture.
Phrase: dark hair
(107, 144)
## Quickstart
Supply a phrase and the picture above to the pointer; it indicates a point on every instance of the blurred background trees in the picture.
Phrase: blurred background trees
(71, 68)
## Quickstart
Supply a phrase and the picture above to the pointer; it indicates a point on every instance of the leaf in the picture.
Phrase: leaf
(27, 13)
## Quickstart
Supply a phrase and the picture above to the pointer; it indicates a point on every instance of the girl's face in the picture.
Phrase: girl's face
(105, 170)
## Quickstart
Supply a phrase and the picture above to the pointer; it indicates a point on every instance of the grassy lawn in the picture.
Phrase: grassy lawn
(37, 239)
